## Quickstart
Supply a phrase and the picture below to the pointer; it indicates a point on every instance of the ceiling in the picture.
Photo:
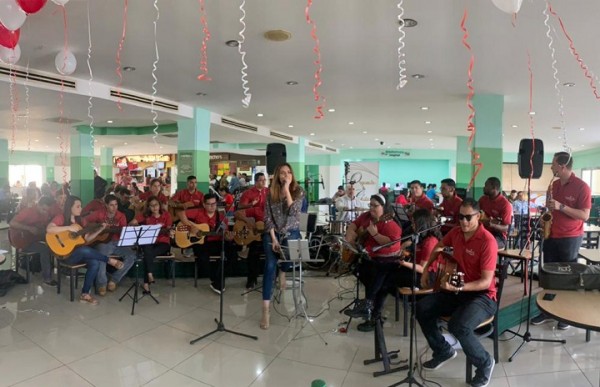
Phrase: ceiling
(358, 43)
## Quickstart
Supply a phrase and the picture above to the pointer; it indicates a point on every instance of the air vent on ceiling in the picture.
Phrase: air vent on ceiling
(315, 145)
(217, 142)
(143, 100)
(63, 120)
(331, 149)
(238, 125)
(37, 77)
(281, 135)
(171, 135)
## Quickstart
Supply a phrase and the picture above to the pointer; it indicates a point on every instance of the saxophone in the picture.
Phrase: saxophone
(547, 215)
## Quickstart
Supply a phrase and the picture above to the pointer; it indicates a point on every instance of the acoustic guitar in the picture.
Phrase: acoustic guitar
(348, 256)
(21, 238)
(244, 234)
(448, 272)
(184, 237)
(64, 242)
(105, 235)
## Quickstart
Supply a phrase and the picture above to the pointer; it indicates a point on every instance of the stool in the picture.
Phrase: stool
(74, 273)
(20, 254)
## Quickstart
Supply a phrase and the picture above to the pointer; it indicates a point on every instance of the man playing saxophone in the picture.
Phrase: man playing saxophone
(570, 204)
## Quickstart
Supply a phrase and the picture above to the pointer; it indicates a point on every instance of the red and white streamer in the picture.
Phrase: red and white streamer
(155, 82)
(401, 61)
(26, 85)
(203, 54)
(90, 104)
(14, 107)
(247, 94)
(470, 123)
(118, 59)
(317, 62)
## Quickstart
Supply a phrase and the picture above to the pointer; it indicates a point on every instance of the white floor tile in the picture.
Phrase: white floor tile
(60, 377)
(558, 379)
(338, 353)
(174, 379)
(23, 360)
(122, 325)
(295, 374)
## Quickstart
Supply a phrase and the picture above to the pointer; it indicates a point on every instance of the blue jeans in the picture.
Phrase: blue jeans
(271, 261)
(468, 310)
(92, 258)
(562, 249)
(111, 248)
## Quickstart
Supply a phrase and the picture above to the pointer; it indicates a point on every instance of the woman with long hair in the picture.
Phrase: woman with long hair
(154, 214)
(70, 220)
(282, 222)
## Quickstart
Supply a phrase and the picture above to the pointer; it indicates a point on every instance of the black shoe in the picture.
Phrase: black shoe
(436, 362)
(367, 326)
(250, 284)
(51, 283)
(362, 309)
(484, 376)
(562, 326)
(540, 319)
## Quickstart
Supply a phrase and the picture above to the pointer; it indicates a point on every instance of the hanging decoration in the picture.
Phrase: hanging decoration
(508, 6)
(118, 60)
(203, 55)
(247, 94)
(470, 123)
(8, 38)
(11, 15)
(317, 62)
(584, 67)
(26, 85)
(90, 104)
(154, 67)
(65, 62)
(14, 103)
(61, 67)
(31, 6)
(10, 56)
(401, 61)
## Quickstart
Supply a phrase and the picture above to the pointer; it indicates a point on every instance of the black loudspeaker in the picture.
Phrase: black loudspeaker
(276, 155)
(461, 193)
(527, 147)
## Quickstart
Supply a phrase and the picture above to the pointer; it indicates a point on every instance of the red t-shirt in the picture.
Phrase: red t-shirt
(199, 216)
(101, 216)
(184, 196)
(94, 205)
(422, 202)
(258, 210)
(477, 254)
(164, 219)
(388, 228)
(59, 220)
(401, 199)
(161, 197)
(498, 208)
(575, 194)
(32, 217)
(424, 250)
(451, 210)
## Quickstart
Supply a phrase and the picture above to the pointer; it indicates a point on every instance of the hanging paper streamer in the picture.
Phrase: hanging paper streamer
(470, 124)
(203, 55)
(118, 60)
(26, 84)
(401, 61)
(531, 116)
(61, 102)
(13, 107)
(582, 65)
(154, 67)
(561, 108)
(317, 62)
(247, 94)
(90, 104)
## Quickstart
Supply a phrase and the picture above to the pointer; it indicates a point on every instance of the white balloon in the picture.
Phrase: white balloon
(508, 6)
(10, 55)
(60, 2)
(11, 15)
(65, 62)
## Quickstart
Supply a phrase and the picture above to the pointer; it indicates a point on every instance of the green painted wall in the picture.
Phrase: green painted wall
(193, 149)
(3, 162)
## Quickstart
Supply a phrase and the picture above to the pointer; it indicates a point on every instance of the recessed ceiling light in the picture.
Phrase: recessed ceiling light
(160, 147)
(351, 147)
(559, 137)
(515, 126)
(49, 147)
(351, 123)
(389, 147)
(331, 110)
(532, 113)
(429, 131)
(201, 94)
(365, 132)
(581, 128)
(124, 143)
(39, 140)
(260, 115)
(569, 84)
(290, 126)
(232, 43)
(418, 76)
(376, 139)
(427, 122)
(128, 68)
(109, 121)
(343, 144)
(582, 145)
(408, 23)
(291, 83)
(424, 107)
(330, 140)
(431, 139)
(312, 134)
(57, 137)
(96, 140)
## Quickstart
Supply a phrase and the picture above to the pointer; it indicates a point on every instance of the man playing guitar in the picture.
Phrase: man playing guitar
(450, 205)
(115, 220)
(251, 209)
(497, 209)
(475, 252)
(28, 228)
(187, 198)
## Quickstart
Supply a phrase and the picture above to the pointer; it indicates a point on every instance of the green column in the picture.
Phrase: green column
(82, 167)
(463, 162)
(488, 139)
(3, 162)
(106, 164)
(295, 157)
(50, 160)
(193, 149)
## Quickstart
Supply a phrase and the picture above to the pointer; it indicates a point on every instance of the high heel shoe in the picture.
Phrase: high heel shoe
(264, 322)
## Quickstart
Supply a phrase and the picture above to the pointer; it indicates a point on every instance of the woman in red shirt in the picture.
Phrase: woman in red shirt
(154, 214)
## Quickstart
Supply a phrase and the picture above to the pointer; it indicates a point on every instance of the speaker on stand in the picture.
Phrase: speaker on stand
(527, 148)
(276, 155)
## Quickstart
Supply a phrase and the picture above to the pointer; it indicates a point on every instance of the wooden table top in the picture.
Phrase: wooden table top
(592, 255)
(577, 308)
(514, 254)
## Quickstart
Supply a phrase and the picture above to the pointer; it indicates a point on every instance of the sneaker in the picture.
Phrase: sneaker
(483, 378)
(562, 326)
(367, 326)
(436, 362)
(540, 319)
(51, 283)
(216, 289)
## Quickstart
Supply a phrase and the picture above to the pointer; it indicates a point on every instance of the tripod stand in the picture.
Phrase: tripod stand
(527, 335)
(137, 236)
(220, 324)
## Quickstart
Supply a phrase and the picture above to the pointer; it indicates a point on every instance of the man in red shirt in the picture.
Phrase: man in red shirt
(212, 243)
(497, 210)
(450, 205)
(418, 199)
(570, 204)
(187, 198)
(115, 220)
(251, 209)
(30, 224)
(476, 253)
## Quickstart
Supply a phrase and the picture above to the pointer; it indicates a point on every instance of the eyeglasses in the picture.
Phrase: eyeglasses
(467, 217)
(374, 205)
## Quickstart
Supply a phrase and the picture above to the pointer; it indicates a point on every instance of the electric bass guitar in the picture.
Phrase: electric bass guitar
(349, 256)
(63, 243)
(244, 234)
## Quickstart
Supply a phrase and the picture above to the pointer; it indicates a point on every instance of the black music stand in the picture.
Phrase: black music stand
(220, 325)
(138, 236)
(360, 254)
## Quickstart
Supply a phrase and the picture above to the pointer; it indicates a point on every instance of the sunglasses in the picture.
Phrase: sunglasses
(467, 217)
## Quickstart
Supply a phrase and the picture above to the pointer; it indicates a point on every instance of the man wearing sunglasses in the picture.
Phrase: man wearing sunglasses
(497, 210)
(476, 252)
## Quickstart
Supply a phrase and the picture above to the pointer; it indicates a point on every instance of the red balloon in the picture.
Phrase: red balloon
(31, 6)
(9, 39)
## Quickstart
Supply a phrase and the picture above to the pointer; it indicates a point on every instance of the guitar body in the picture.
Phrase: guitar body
(184, 238)
(63, 243)
(21, 238)
(244, 234)
(448, 271)
(348, 256)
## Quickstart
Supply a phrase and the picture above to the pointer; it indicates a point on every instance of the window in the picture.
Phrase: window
(25, 174)
(592, 178)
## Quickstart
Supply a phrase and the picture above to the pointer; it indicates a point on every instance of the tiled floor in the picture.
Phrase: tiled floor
(45, 340)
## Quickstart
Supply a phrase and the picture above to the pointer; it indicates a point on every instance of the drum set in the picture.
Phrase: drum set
(327, 244)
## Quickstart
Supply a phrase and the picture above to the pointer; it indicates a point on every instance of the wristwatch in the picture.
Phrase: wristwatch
(562, 207)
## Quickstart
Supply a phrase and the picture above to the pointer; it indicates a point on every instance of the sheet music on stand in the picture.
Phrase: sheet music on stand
(142, 235)
(400, 212)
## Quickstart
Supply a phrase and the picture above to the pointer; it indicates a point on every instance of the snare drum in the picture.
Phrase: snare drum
(337, 227)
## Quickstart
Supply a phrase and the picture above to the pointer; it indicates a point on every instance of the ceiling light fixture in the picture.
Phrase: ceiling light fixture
(427, 122)
(312, 134)
(431, 139)
(109, 121)
(351, 123)
(376, 139)
(331, 110)
(582, 129)
(418, 76)
(515, 126)
(330, 140)
(291, 83)
(365, 132)
(532, 113)
(277, 35)
(232, 43)
(124, 143)
(128, 68)
(424, 107)
(39, 140)
(429, 131)
(290, 126)
(569, 84)
(260, 115)
(409, 23)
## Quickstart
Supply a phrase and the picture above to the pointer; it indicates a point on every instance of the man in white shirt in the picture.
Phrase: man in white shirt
(348, 205)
